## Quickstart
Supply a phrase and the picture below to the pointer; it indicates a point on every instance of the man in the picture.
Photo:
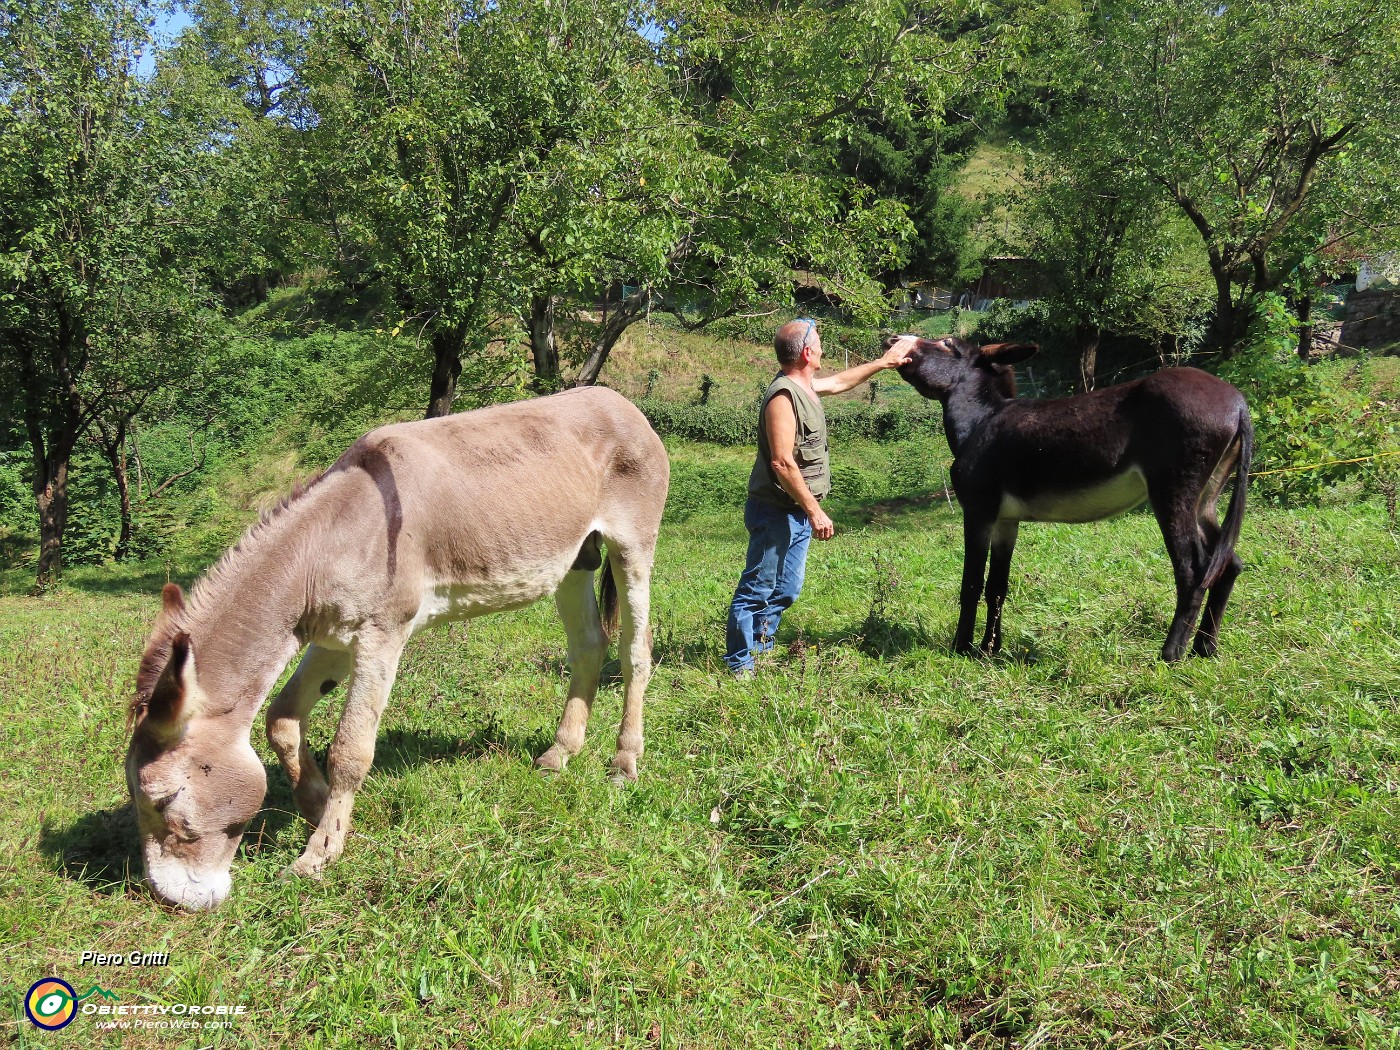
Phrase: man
(790, 478)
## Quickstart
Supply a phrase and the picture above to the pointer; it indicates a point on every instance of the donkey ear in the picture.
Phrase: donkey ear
(172, 599)
(1009, 353)
(167, 707)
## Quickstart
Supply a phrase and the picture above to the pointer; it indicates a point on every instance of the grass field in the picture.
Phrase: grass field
(872, 844)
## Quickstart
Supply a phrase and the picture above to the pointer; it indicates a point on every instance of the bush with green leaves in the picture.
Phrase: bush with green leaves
(732, 425)
(1315, 424)
(16, 501)
(1032, 322)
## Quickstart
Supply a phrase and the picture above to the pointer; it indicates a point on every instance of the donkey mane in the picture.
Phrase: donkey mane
(174, 620)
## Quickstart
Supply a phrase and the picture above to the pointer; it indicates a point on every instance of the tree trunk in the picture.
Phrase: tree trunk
(542, 345)
(114, 451)
(609, 332)
(52, 420)
(447, 366)
(1305, 326)
(1229, 322)
(51, 495)
(1086, 338)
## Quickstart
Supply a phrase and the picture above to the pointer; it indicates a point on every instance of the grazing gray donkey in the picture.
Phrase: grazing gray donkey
(416, 524)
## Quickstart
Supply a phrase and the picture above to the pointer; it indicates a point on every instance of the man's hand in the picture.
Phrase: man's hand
(899, 352)
(822, 526)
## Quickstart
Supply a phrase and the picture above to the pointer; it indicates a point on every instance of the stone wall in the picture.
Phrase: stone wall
(1371, 319)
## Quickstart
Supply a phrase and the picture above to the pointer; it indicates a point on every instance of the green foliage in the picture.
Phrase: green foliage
(1115, 255)
(699, 487)
(871, 844)
(915, 158)
(1270, 127)
(1035, 322)
(732, 425)
(109, 182)
(16, 499)
(1309, 417)
(865, 471)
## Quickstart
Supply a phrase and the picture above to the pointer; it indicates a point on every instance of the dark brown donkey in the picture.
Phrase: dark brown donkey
(1172, 438)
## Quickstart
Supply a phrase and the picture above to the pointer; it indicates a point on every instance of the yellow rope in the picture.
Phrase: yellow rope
(1314, 466)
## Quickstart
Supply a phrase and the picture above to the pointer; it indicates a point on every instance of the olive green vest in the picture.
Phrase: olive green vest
(811, 453)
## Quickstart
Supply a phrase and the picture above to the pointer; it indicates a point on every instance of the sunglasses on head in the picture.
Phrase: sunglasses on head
(811, 324)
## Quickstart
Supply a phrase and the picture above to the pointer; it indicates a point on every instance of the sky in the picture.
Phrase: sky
(169, 25)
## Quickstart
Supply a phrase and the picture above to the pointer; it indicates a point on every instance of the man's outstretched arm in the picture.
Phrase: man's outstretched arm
(854, 376)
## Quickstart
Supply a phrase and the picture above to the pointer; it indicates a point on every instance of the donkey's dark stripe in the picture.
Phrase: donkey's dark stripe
(1172, 438)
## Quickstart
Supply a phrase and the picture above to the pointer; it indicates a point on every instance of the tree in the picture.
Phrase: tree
(528, 160)
(1271, 126)
(469, 140)
(238, 58)
(773, 95)
(100, 184)
(1114, 254)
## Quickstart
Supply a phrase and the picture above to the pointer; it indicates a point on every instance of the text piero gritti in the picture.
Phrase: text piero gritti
(125, 959)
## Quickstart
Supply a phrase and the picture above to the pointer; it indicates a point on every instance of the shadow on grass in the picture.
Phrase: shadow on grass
(121, 580)
(113, 580)
(102, 850)
(875, 636)
(893, 510)
(99, 849)
(686, 651)
(402, 749)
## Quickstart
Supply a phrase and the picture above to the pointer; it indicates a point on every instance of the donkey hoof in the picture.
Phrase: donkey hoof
(305, 867)
(624, 769)
(554, 760)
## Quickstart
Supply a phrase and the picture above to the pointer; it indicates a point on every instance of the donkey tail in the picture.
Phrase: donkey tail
(1230, 528)
(607, 598)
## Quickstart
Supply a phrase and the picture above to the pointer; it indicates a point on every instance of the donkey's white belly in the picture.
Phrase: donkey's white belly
(459, 601)
(1120, 493)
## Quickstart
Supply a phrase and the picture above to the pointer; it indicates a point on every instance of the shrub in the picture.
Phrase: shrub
(696, 487)
(17, 510)
(1309, 418)
(1005, 321)
(738, 425)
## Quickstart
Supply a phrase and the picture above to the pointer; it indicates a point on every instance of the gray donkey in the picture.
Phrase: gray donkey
(416, 524)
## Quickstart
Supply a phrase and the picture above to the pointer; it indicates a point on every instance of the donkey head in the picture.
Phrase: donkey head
(938, 366)
(195, 780)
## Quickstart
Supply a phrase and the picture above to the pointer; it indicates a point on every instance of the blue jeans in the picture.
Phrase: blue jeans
(772, 580)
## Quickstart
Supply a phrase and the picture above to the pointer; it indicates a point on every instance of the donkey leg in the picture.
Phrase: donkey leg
(976, 541)
(632, 572)
(998, 578)
(1186, 547)
(1208, 635)
(588, 645)
(320, 671)
(352, 750)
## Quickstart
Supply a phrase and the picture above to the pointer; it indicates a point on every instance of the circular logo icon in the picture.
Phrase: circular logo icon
(51, 1004)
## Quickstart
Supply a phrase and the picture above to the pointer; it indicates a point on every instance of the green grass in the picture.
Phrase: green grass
(874, 843)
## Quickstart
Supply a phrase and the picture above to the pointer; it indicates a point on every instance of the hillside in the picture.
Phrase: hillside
(311, 372)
